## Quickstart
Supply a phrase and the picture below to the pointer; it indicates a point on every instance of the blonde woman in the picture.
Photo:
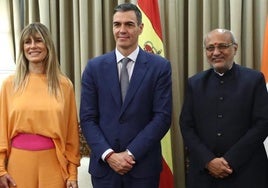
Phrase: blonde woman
(39, 142)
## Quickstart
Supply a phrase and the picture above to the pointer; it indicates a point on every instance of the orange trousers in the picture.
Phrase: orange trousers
(35, 169)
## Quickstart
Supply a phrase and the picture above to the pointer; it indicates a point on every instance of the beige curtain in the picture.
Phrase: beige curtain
(82, 29)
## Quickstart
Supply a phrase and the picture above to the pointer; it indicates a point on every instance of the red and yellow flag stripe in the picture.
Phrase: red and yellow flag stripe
(264, 66)
(151, 41)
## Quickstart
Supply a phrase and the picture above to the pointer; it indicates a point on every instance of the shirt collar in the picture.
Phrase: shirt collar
(133, 56)
(221, 74)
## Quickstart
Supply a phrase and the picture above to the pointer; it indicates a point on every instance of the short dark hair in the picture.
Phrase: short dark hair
(129, 7)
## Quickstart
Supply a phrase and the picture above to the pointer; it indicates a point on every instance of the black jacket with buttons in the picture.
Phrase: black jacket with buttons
(226, 116)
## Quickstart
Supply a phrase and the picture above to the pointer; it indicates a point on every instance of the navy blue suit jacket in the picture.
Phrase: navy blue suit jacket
(138, 124)
(226, 116)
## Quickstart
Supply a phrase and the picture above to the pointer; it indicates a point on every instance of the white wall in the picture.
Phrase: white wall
(4, 74)
(84, 180)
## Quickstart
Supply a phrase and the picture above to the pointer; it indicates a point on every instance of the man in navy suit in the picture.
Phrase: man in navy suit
(224, 120)
(124, 135)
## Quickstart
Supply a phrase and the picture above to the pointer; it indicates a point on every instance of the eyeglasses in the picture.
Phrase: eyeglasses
(221, 46)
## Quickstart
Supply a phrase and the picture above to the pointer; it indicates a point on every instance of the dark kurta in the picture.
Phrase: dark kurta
(226, 116)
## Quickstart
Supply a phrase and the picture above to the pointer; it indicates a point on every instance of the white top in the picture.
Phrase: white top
(130, 65)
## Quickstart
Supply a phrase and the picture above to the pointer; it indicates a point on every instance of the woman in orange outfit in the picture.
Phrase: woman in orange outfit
(39, 141)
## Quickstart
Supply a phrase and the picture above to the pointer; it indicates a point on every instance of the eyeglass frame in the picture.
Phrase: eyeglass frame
(220, 46)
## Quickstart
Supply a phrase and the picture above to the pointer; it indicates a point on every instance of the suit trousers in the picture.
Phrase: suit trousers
(114, 180)
(35, 169)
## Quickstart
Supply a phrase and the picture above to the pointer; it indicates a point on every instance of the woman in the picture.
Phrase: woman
(39, 141)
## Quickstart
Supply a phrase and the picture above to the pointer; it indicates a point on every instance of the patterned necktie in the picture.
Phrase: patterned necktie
(124, 79)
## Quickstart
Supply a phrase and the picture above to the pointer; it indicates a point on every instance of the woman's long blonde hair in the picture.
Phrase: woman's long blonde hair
(51, 62)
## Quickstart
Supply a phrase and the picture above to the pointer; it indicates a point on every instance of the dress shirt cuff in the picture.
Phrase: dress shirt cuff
(106, 153)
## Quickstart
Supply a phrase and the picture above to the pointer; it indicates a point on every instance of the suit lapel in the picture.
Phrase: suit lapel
(110, 73)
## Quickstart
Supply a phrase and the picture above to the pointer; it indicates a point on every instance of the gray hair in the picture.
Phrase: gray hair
(223, 31)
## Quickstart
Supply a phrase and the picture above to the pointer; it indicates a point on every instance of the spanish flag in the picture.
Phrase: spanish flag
(264, 66)
(151, 41)
(264, 69)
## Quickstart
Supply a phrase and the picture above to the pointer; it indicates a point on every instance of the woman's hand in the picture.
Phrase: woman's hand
(6, 181)
(71, 184)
